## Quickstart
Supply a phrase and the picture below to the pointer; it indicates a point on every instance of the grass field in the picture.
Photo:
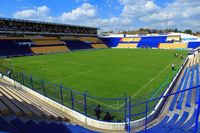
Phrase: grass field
(109, 73)
(104, 73)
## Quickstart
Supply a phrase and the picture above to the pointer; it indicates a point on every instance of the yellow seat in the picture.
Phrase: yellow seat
(90, 39)
(136, 39)
(49, 49)
(126, 45)
(173, 46)
(99, 46)
(47, 41)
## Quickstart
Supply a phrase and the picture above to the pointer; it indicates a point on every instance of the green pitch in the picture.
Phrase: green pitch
(106, 73)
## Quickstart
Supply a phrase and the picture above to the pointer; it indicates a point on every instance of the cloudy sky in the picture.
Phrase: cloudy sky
(108, 14)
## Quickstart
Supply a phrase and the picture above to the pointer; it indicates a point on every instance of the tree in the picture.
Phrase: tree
(175, 30)
(188, 31)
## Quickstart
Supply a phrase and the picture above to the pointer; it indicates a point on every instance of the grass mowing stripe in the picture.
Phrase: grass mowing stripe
(108, 73)
(151, 80)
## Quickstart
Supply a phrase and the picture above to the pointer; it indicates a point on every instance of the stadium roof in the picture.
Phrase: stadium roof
(48, 23)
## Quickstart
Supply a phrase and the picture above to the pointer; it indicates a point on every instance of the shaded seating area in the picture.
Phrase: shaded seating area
(20, 112)
(77, 45)
(12, 48)
(90, 39)
(17, 125)
(21, 103)
(23, 112)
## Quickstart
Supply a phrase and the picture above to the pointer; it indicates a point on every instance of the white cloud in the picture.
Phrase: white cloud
(137, 8)
(179, 14)
(37, 13)
(87, 14)
(135, 13)
(83, 12)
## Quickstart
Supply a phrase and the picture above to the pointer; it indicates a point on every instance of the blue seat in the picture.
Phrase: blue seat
(164, 121)
(178, 89)
(172, 121)
(152, 42)
(180, 100)
(32, 127)
(5, 126)
(79, 129)
(77, 45)
(53, 127)
(158, 127)
(18, 124)
(197, 83)
(193, 44)
(175, 131)
(190, 122)
(189, 93)
(155, 129)
(181, 120)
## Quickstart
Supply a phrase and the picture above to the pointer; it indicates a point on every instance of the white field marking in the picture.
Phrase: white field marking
(8, 59)
(42, 69)
(110, 106)
(101, 103)
(151, 80)
(142, 88)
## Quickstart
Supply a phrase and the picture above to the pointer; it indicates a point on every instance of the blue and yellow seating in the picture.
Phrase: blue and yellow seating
(127, 45)
(172, 46)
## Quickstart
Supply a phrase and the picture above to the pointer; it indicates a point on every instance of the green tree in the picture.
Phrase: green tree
(188, 31)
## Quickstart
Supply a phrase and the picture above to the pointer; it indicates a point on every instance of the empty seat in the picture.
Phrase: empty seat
(127, 45)
(5, 126)
(172, 46)
(99, 45)
(189, 93)
(181, 120)
(178, 89)
(49, 49)
(180, 100)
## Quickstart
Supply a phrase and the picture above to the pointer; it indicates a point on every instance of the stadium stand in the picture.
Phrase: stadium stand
(94, 42)
(48, 45)
(172, 46)
(77, 45)
(13, 27)
(173, 39)
(12, 48)
(193, 45)
(151, 42)
(24, 112)
(182, 109)
(127, 45)
(136, 39)
(90, 39)
(47, 41)
(26, 105)
(101, 45)
(49, 49)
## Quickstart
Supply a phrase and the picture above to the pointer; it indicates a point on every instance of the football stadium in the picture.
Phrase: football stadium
(65, 78)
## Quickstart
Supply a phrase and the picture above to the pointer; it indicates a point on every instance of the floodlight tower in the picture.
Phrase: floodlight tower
(167, 22)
